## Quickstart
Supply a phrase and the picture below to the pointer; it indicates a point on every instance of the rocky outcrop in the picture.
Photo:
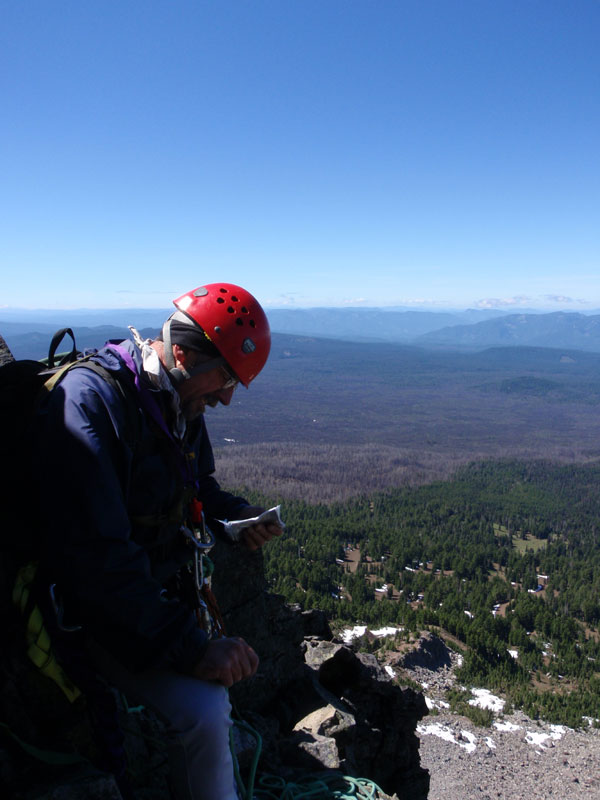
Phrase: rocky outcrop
(5, 354)
(316, 703)
(374, 722)
(320, 703)
(430, 653)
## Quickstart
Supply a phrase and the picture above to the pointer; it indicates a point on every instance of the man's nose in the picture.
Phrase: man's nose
(225, 395)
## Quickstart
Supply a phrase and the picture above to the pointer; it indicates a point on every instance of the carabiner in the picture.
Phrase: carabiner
(194, 538)
(59, 612)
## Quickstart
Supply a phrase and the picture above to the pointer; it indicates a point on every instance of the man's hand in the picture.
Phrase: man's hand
(226, 661)
(256, 535)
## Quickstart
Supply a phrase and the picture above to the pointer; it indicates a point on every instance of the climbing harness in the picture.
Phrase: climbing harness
(202, 540)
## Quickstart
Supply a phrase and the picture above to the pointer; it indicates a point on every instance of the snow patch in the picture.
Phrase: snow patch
(539, 738)
(439, 704)
(386, 631)
(359, 630)
(485, 699)
(467, 740)
(506, 726)
(353, 633)
(471, 745)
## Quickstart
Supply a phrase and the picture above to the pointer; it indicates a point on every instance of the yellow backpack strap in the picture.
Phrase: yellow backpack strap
(55, 378)
(59, 373)
(39, 647)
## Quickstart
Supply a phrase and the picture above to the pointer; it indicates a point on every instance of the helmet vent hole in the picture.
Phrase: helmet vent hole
(239, 321)
(252, 323)
(230, 310)
(234, 299)
(244, 310)
(223, 291)
(220, 300)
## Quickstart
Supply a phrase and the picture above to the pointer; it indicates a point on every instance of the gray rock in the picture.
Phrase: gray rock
(314, 623)
(430, 653)
(309, 749)
(5, 354)
(318, 652)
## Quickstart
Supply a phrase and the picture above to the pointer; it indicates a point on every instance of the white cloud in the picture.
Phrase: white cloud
(289, 299)
(504, 302)
(564, 300)
(522, 300)
(137, 292)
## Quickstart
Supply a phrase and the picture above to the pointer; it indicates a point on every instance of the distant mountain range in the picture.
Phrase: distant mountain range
(35, 345)
(27, 333)
(371, 324)
(560, 329)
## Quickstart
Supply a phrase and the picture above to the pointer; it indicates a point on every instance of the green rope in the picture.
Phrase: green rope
(317, 787)
(247, 791)
(331, 786)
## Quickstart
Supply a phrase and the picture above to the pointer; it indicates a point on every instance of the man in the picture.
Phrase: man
(125, 436)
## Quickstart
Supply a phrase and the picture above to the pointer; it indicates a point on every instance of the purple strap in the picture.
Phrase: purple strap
(151, 406)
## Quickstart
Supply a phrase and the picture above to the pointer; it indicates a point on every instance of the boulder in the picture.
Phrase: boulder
(5, 354)
(431, 653)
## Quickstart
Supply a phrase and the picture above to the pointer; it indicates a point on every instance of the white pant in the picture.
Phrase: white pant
(197, 716)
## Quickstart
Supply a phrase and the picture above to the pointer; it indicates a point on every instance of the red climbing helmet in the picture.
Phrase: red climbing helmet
(233, 320)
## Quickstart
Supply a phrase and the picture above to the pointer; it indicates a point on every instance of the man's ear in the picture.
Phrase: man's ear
(183, 357)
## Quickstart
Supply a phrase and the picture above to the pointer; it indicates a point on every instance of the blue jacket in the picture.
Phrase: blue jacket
(112, 489)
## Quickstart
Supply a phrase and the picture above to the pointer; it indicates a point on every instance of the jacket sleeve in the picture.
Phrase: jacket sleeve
(82, 468)
(218, 503)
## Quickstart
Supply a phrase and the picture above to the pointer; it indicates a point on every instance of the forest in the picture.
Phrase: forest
(328, 420)
(502, 560)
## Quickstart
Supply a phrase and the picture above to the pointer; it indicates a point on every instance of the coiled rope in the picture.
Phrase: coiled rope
(319, 786)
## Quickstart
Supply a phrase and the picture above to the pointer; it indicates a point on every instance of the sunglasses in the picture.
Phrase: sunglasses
(230, 380)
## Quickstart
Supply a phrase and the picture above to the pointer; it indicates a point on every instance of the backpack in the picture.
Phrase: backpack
(24, 385)
(31, 637)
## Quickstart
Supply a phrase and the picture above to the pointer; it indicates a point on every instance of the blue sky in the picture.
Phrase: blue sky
(319, 152)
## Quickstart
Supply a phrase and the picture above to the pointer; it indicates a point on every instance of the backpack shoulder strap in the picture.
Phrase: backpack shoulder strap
(123, 386)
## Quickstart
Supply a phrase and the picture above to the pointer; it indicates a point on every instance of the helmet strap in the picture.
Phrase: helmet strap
(180, 374)
(177, 373)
